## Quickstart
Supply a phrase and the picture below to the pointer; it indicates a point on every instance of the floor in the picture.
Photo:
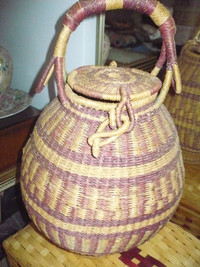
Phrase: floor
(4, 262)
(13, 216)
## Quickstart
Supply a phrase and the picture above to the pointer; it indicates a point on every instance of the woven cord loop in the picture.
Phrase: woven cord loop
(95, 140)
(123, 123)
(125, 102)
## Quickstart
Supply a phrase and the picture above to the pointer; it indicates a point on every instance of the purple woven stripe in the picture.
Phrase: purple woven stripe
(144, 6)
(88, 222)
(89, 160)
(167, 30)
(79, 11)
(103, 182)
(100, 236)
(99, 113)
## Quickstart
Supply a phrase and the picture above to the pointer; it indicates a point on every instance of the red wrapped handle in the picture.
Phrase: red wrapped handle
(85, 8)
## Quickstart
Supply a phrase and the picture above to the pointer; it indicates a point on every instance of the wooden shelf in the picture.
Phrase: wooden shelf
(14, 133)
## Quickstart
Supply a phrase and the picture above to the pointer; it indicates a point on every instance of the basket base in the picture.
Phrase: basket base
(29, 248)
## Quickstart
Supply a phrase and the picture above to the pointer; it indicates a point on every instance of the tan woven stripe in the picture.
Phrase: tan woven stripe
(114, 4)
(55, 123)
(92, 229)
(160, 14)
(170, 129)
(155, 71)
(132, 241)
(149, 140)
(81, 200)
(87, 116)
(34, 170)
(162, 137)
(177, 77)
(106, 107)
(60, 47)
(96, 205)
(78, 141)
(146, 236)
(186, 125)
(98, 105)
(48, 113)
(28, 158)
(102, 244)
(109, 173)
(41, 184)
(49, 75)
(87, 244)
(151, 198)
(65, 132)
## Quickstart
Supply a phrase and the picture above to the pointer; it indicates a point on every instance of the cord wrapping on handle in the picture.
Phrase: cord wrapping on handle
(59, 79)
(84, 8)
(44, 75)
(145, 6)
(79, 11)
(167, 30)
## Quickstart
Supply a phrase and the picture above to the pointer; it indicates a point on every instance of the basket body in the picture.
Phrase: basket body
(102, 205)
(185, 108)
(102, 171)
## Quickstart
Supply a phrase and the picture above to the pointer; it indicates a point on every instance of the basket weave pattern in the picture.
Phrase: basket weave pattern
(185, 108)
(103, 170)
(172, 246)
(100, 210)
(188, 212)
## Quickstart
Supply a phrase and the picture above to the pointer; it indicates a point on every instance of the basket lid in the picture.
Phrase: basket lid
(105, 82)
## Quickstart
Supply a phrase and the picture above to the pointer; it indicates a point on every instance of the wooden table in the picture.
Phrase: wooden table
(14, 132)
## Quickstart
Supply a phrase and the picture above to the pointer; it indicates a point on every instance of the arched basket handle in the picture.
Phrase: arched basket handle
(84, 8)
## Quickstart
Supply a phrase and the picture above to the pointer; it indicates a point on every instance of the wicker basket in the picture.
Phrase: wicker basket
(103, 170)
(188, 213)
(172, 246)
(185, 108)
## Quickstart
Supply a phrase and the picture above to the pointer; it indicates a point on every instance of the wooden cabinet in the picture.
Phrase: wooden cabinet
(14, 133)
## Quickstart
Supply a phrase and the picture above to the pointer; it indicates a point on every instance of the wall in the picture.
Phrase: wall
(28, 30)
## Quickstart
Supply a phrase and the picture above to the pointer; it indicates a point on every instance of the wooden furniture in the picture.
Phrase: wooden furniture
(130, 59)
(172, 246)
(14, 132)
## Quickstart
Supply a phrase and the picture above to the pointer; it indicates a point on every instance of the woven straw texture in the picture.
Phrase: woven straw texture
(172, 246)
(102, 171)
(188, 213)
(185, 108)
(105, 204)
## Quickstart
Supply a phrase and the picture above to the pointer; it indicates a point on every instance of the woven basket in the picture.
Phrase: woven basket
(172, 246)
(187, 214)
(103, 170)
(185, 108)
